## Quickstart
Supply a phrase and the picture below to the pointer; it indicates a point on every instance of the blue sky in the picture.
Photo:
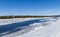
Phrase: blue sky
(29, 7)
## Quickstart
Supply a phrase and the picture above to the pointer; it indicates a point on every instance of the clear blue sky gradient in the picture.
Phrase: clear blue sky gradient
(29, 7)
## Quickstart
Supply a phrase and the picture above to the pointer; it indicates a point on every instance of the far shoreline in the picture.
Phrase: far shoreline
(11, 17)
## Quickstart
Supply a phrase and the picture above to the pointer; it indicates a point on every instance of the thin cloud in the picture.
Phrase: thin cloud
(50, 10)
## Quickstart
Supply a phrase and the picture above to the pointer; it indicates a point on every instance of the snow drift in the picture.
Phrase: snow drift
(30, 28)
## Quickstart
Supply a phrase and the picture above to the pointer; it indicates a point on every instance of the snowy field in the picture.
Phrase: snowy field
(9, 21)
(30, 27)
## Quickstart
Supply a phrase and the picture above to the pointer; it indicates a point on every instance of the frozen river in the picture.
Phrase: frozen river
(19, 28)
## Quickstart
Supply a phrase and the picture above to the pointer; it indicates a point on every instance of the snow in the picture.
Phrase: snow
(51, 29)
(9, 21)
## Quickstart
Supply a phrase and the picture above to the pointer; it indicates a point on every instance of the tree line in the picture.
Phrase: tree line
(9, 17)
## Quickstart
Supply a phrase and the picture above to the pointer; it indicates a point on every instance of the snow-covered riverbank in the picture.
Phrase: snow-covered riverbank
(52, 30)
(32, 27)
(9, 21)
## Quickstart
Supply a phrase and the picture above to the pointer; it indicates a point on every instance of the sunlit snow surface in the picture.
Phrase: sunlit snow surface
(41, 27)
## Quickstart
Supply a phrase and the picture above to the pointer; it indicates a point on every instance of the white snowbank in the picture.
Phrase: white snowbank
(9, 21)
(30, 28)
(53, 30)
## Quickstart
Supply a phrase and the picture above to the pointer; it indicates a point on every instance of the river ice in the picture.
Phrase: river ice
(42, 27)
